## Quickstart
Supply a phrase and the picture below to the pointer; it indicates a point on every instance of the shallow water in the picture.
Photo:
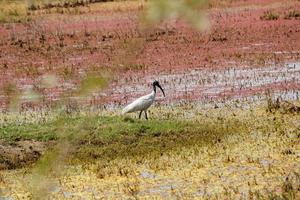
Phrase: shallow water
(197, 85)
(214, 85)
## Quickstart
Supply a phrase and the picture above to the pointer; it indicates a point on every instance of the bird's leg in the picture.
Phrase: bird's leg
(146, 114)
(140, 114)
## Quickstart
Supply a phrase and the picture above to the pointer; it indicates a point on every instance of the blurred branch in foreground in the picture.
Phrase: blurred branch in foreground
(188, 10)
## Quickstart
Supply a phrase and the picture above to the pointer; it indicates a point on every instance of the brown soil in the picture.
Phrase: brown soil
(20, 154)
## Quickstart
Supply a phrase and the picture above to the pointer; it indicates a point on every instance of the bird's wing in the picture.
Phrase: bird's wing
(141, 103)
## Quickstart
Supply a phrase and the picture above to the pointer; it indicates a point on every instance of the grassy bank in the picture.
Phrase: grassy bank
(168, 129)
(110, 135)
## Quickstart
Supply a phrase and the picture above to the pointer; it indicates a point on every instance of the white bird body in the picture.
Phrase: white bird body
(143, 103)
(140, 104)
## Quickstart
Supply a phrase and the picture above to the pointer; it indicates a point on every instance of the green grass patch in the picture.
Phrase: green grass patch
(39, 132)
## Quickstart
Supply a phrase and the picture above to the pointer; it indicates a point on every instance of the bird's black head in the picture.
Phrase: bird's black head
(156, 83)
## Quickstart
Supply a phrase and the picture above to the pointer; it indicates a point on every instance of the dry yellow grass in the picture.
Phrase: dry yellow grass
(12, 11)
(19, 11)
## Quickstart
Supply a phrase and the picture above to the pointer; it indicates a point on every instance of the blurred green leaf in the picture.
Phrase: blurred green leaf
(49, 81)
(93, 82)
(13, 94)
(51, 163)
(30, 95)
(189, 10)
(196, 3)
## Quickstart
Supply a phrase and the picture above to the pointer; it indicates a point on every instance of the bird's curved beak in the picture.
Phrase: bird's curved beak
(161, 90)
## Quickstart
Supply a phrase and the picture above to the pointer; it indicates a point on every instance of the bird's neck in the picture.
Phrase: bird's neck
(154, 89)
(153, 93)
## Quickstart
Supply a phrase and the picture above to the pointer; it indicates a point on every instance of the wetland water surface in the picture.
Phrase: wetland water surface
(208, 85)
